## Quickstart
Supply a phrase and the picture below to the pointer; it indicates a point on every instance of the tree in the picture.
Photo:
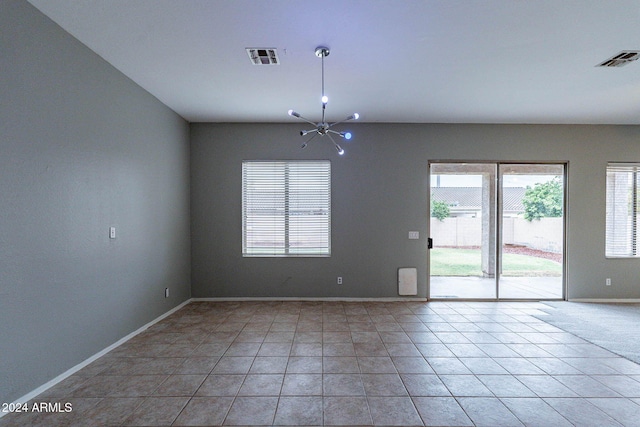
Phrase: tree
(439, 209)
(543, 200)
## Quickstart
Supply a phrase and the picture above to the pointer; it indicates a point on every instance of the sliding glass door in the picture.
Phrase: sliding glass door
(463, 230)
(497, 231)
(532, 227)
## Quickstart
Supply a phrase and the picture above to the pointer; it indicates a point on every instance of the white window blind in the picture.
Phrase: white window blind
(286, 208)
(622, 210)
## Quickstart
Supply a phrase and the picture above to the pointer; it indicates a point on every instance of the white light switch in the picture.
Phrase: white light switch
(112, 232)
(414, 235)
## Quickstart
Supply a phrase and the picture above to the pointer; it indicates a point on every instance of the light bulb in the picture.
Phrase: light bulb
(356, 116)
(347, 135)
(325, 99)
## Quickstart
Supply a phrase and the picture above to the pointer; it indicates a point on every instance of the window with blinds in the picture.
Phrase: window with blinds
(622, 210)
(286, 208)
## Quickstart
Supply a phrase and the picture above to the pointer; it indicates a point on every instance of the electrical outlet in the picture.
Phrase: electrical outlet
(166, 292)
(339, 280)
(608, 282)
(112, 232)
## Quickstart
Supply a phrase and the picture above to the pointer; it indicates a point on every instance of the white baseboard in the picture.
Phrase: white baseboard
(320, 299)
(93, 358)
(607, 300)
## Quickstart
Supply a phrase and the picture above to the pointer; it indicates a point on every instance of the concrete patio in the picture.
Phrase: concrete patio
(532, 288)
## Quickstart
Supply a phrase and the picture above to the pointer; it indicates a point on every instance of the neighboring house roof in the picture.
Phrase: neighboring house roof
(471, 197)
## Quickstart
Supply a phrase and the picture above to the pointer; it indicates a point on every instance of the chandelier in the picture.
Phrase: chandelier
(323, 127)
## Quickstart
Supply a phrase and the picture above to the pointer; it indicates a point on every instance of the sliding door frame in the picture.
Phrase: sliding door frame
(499, 227)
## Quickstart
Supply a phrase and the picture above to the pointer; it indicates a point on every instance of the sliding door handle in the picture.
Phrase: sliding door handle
(429, 243)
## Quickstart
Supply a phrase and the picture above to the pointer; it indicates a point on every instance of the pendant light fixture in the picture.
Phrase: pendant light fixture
(323, 128)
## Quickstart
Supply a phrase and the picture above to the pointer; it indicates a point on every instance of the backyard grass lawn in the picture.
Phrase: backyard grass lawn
(466, 262)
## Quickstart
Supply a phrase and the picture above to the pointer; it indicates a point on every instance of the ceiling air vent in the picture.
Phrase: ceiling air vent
(621, 59)
(263, 56)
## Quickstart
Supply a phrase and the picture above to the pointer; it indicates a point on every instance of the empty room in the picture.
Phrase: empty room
(360, 212)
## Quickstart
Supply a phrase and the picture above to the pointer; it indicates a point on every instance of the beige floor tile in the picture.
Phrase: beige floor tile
(412, 365)
(112, 410)
(535, 412)
(306, 349)
(350, 363)
(581, 412)
(299, 411)
(254, 410)
(488, 411)
(233, 365)
(383, 385)
(157, 411)
(221, 385)
(343, 411)
(441, 411)
(338, 349)
(197, 365)
(393, 411)
(272, 349)
(342, 385)
(204, 411)
(302, 385)
(424, 385)
(376, 365)
(506, 386)
(138, 385)
(261, 385)
(340, 365)
(304, 365)
(180, 385)
(269, 365)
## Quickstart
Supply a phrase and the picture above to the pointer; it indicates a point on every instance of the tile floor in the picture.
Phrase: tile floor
(350, 363)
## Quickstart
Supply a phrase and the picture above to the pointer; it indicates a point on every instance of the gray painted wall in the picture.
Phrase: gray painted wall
(379, 193)
(82, 148)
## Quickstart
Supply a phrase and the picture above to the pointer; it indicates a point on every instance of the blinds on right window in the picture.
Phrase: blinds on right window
(622, 210)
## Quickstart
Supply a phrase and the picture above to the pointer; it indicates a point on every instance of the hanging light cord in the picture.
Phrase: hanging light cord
(324, 104)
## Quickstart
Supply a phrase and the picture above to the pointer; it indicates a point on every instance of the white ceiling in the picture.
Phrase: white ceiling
(447, 61)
